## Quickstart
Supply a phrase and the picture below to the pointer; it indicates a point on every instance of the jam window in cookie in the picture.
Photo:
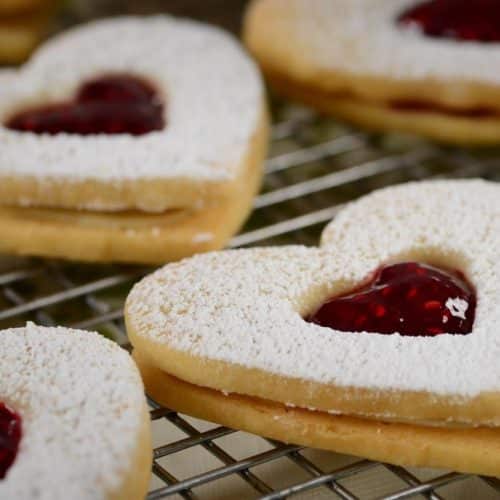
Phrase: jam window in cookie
(407, 298)
(465, 20)
(115, 104)
(10, 436)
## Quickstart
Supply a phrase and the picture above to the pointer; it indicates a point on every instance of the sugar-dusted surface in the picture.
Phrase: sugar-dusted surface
(212, 90)
(246, 307)
(81, 401)
(363, 37)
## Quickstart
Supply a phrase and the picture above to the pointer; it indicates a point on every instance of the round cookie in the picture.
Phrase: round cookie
(188, 143)
(253, 334)
(461, 449)
(76, 402)
(379, 65)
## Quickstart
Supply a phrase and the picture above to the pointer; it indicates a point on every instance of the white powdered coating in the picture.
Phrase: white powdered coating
(203, 237)
(362, 37)
(245, 307)
(81, 401)
(213, 95)
(457, 307)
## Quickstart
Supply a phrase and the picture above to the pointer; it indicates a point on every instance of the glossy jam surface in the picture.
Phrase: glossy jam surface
(116, 104)
(407, 298)
(10, 436)
(465, 20)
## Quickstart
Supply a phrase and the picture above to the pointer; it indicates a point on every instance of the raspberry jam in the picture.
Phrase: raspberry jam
(466, 20)
(407, 298)
(10, 435)
(116, 104)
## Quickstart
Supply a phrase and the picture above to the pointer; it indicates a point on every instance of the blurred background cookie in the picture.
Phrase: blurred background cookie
(137, 154)
(18, 6)
(391, 65)
(23, 24)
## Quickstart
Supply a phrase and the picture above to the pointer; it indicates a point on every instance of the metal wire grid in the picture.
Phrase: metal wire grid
(316, 166)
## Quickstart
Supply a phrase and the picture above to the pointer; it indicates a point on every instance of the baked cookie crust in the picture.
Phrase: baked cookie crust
(468, 450)
(135, 236)
(374, 115)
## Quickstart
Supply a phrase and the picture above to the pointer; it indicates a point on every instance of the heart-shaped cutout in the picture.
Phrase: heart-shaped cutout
(113, 104)
(10, 437)
(407, 298)
(233, 321)
(464, 20)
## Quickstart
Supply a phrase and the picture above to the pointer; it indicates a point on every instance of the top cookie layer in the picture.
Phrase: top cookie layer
(358, 46)
(213, 101)
(82, 406)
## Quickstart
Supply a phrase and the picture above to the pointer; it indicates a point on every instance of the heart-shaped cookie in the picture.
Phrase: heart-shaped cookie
(212, 98)
(61, 391)
(419, 66)
(123, 119)
(235, 321)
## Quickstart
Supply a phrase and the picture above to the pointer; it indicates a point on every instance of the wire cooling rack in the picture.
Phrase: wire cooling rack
(316, 165)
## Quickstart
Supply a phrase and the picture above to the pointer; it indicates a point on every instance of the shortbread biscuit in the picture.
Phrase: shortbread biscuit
(19, 35)
(79, 426)
(212, 100)
(173, 166)
(241, 321)
(462, 449)
(356, 60)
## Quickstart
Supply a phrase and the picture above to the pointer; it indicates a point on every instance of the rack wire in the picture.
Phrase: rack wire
(316, 165)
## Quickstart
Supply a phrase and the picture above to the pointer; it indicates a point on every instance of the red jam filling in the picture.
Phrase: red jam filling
(115, 104)
(465, 20)
(407, 298)
(10, 436)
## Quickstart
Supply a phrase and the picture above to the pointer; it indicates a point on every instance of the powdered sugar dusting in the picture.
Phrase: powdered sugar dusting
(362, 37)
(212, 89)
(203, 237)
(81, 400)
(246, 306)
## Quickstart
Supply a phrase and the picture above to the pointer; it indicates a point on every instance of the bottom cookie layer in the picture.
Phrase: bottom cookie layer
(440, 126)
(469, 450)
(124, 237)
